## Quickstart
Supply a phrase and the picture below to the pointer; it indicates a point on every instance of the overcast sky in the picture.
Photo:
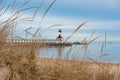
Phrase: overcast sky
(102, 15)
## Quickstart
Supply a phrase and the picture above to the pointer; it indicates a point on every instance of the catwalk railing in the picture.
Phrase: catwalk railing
(33, 41)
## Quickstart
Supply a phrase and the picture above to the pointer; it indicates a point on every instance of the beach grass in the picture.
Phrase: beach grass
(19, 62)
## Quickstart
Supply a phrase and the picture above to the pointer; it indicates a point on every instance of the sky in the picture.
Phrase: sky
(103, 16)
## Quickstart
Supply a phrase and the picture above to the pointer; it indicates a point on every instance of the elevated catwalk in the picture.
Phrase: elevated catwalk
(50, 42)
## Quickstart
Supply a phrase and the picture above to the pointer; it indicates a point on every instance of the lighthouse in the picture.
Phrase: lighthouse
(59, 37)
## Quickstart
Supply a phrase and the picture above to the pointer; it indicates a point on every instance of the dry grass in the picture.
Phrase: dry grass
(51, 69)
(19, 62)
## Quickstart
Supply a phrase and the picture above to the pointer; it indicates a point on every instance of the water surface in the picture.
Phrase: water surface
(78, 52)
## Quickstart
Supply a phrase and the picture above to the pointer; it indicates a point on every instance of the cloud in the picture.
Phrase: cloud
(70, 23)
(92, 3)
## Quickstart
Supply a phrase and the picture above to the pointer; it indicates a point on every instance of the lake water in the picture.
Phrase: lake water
(111, 52)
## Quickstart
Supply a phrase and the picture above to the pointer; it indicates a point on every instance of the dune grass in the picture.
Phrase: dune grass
(19, 62)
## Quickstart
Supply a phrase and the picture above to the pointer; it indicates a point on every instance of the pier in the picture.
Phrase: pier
(58, 41)
(51, 42)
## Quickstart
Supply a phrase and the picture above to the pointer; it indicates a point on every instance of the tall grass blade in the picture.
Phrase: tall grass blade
(105, 39)
(47, 10)
(76, 30)
(14, 5)
(35, 13)
(102, 48)
(56, 25)
(104, 55)
(44, 15)
(96, 62)
(92, 34)
(1, 11)
(93, 40)
(17, 13)
(26, 2)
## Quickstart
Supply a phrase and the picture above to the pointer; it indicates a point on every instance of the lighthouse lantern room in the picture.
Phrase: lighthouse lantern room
(59, 37)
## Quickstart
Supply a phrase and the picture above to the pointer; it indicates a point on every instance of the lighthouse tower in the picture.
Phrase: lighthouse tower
(59, 37)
